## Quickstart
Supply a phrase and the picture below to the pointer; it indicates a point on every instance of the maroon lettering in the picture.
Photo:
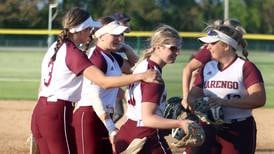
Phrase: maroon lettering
(47, 80)
(224, 84)
(131, 99)
(221, 84)
(212, 85)
(235, 85)
(229, 83)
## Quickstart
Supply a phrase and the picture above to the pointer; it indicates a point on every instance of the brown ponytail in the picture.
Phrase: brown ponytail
(243, 44)
(61, 38)
(73, 17)
(147, 53)
(90, 41)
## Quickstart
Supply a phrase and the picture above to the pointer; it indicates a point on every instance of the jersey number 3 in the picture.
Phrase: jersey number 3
(47, 79)
(131, 99)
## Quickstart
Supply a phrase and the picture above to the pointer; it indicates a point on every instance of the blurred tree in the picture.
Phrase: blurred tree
(146, 14)
(187, 15)
(255, 15)
(252, 21)
(238, 10)
(22, 13)
(180, 14)
(267, 20)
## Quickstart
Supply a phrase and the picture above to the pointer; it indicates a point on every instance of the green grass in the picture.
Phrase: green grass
(20, 74)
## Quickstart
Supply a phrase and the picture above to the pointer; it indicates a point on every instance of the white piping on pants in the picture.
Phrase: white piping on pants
(82, 129)
(65, 128)
(160, 141)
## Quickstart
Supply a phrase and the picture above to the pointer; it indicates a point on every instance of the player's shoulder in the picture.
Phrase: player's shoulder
(142, 66)
(71, 45)
(250, 66)
(96, 57)
(90, 51)
(246, 63)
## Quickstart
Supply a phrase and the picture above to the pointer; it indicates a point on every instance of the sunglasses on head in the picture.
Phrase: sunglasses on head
(173, 48)
(212, 33)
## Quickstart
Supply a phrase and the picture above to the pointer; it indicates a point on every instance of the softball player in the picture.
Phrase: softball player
(146, 101)
(93, 132)
(61, 80)
(235, 84)
(124, 20)
(200, 58)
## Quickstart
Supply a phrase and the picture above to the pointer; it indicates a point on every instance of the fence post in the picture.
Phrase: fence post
(138, 45)
(51, 18)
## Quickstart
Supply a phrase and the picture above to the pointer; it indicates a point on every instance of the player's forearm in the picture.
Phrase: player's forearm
(124, 80)
(131, 55)
(155, 121)
(194, 93)
(94, 74)
(186, 79)
(98, 106)
(252, 101)
(126, 67)
(256, 98)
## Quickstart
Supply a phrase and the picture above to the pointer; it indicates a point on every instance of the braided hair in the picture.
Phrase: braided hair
(73, 17)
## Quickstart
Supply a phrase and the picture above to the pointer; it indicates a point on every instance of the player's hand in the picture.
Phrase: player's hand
(152, 76)
(185, 104)
(124, 47)
(185, 124)
(111, 138)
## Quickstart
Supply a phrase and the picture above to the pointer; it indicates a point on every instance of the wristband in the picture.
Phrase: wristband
(113, 133)
(110, 126)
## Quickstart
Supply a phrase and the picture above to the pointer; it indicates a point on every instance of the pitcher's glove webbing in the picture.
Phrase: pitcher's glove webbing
(210, 115)
(195, 135)
(173, 108)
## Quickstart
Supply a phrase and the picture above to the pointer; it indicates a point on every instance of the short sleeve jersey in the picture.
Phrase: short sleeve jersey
(140, 92)
(203, 55)
(110, 64)
(62, 78)
(231, 82)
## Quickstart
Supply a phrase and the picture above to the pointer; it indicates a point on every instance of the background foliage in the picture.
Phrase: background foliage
(185, 15)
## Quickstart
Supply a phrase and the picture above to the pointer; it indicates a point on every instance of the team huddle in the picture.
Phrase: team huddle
(89, 69)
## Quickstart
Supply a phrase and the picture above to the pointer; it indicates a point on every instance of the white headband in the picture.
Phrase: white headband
(227, 39)
(113, 28)
(219, 36)
(87, 23)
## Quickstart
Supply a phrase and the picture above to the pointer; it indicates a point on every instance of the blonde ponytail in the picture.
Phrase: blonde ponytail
(147, 53)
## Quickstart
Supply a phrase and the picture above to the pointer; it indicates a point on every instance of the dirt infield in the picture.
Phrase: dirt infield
(16, 115)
